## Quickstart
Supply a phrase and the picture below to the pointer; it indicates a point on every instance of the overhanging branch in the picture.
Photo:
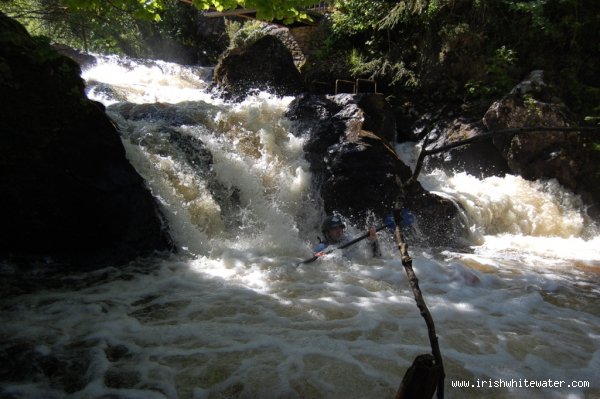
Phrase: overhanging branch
(491, 133)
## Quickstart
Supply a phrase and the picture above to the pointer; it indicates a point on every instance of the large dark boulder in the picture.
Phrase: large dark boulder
(359, 175)
(68, 192)
(570, 157)
(356, 170)
(481, 158)
(265, 64)
(349, 139)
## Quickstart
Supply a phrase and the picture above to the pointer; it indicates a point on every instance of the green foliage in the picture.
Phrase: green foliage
(142, 9)
(242, 34)
(139, 28)
(534, 8)
(268, 10)
(112, 31)
(497, 80)
(439, 45)
(382, 68)
(232, 27)
(356, 16)
(406, 10)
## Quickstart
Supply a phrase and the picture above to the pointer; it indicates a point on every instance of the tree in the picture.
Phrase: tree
(113, 30)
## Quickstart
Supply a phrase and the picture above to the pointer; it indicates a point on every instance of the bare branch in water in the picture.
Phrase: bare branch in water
(491, 133)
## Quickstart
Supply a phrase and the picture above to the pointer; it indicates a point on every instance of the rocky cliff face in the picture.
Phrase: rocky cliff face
(68, 193)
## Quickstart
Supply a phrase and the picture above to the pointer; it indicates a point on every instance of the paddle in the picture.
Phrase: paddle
(346, 245)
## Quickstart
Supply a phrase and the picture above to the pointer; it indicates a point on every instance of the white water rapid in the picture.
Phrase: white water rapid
(230, 316)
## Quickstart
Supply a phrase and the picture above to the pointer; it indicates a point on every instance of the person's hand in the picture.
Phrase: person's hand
(319, 254)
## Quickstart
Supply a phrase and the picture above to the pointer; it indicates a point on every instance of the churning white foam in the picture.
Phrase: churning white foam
(144, 81)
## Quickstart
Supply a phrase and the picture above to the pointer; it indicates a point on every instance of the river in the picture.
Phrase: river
(231, 315)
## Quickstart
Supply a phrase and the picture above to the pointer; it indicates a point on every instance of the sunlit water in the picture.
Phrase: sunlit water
(232, 316)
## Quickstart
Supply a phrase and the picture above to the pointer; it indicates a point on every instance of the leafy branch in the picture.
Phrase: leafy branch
(286, 10)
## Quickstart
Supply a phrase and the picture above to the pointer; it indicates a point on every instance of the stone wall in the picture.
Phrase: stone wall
(297, 40)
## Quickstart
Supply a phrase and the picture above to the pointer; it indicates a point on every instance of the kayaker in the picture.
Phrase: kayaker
(333, 229)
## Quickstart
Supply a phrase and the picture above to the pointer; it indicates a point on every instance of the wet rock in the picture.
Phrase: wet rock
(73, 197)
(360, 174)
(115, 353)
(356, 170)
(24, 361)
(121, 379)
(481, 158)
(536, 87)
(324, 120)
(166, 113)
(105, 90)
(265, 64)
(166, 139)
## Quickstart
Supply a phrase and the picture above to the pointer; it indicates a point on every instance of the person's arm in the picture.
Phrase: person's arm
(374, 242)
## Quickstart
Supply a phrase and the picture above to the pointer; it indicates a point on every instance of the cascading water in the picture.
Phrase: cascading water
(230, 316)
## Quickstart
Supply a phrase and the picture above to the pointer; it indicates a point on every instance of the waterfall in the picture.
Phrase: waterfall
(233, 316)
(229, 175)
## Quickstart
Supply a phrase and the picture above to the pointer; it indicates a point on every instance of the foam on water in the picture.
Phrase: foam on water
(233, 316)
(143, 81)
(251, 326)
(511, 204)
